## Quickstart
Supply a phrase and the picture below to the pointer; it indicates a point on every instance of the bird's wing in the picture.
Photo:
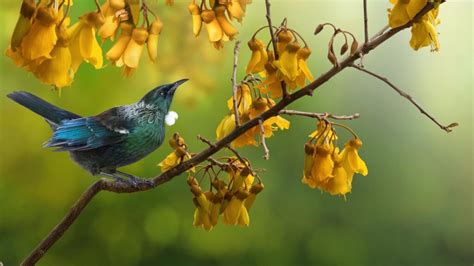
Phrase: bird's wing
(90, 132)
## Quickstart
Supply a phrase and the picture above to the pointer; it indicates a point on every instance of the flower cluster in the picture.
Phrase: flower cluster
(249, 107)
(180, 153)
(40, 42)
(287, 65)
(327, 168)
(44, 44)
(232, 199)
(423, 31)
(217, 23)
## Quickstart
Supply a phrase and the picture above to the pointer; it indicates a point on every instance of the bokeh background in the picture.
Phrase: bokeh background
(414, 208)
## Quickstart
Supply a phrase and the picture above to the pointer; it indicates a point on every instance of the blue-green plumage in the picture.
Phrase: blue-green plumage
(115, 138)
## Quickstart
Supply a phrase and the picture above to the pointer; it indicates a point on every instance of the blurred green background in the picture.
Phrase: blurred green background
(414, 208)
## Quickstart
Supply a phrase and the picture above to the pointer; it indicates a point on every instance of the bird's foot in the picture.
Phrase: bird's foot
(136, 181)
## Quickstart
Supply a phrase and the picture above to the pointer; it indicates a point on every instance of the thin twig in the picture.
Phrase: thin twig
(216, 162)
(237, 154)
(266, 156)
(405, 95)
(117, 187)
(99, 8)
(320, 116)
(274, 43)
(366, 23)
(234, 83)
(203, 139)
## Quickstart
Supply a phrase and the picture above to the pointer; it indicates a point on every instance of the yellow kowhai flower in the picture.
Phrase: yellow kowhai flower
(284, 37)
(303, 55)
(403, 11)
(116, 52)
(235, 209)
(178, 156)
(226, 126)
(258, 58)
(350, 158)
(169, 2)
(23, 24)
(243, 99)
(324, 133)
(111, 21)
(288, 61)
(341, 182)
(196, 17)
(423, 32)
(254, 190)
(41, 37)
(213, 27)
(84, 45)
(57, 70)
(134, 50)
(272, 82)
(229, 30)
(323, 163)
(201, 214)
(236, 9)
(153, 36)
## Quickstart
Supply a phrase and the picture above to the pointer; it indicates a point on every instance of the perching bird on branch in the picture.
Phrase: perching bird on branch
(115, 138)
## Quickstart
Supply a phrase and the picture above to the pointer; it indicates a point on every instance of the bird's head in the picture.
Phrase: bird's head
(162, 96)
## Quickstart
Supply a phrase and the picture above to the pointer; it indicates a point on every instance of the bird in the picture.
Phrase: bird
(114, 138)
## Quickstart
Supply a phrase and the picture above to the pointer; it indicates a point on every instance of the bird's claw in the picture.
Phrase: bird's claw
(136, 181)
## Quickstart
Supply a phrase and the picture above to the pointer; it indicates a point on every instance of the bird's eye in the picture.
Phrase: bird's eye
(162, 94)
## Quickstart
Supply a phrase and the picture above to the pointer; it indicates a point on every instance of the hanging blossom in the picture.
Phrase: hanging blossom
(423, 30)
(229, 199)
(216, 17)
(290, 68)
(328, 168)
(250, 108)
(46, 44)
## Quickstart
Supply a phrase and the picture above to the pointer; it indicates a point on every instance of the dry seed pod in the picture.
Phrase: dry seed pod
(196, 16)
(318, 29)
(344, 48)
(226, 26)
(354, 46)
(331, 56)
(153, 36)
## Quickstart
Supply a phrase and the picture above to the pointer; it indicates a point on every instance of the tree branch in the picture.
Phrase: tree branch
(366, 23)
(320, 116)
(274, 43)
(266, 156)
(234, 83)
(109, 185)
(402, 93)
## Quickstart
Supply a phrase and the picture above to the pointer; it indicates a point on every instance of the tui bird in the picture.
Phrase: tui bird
(117, 137)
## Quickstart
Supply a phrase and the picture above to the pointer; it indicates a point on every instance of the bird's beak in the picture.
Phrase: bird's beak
(176, 85)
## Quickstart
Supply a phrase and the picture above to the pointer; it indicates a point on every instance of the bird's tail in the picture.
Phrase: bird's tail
(50, 112)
